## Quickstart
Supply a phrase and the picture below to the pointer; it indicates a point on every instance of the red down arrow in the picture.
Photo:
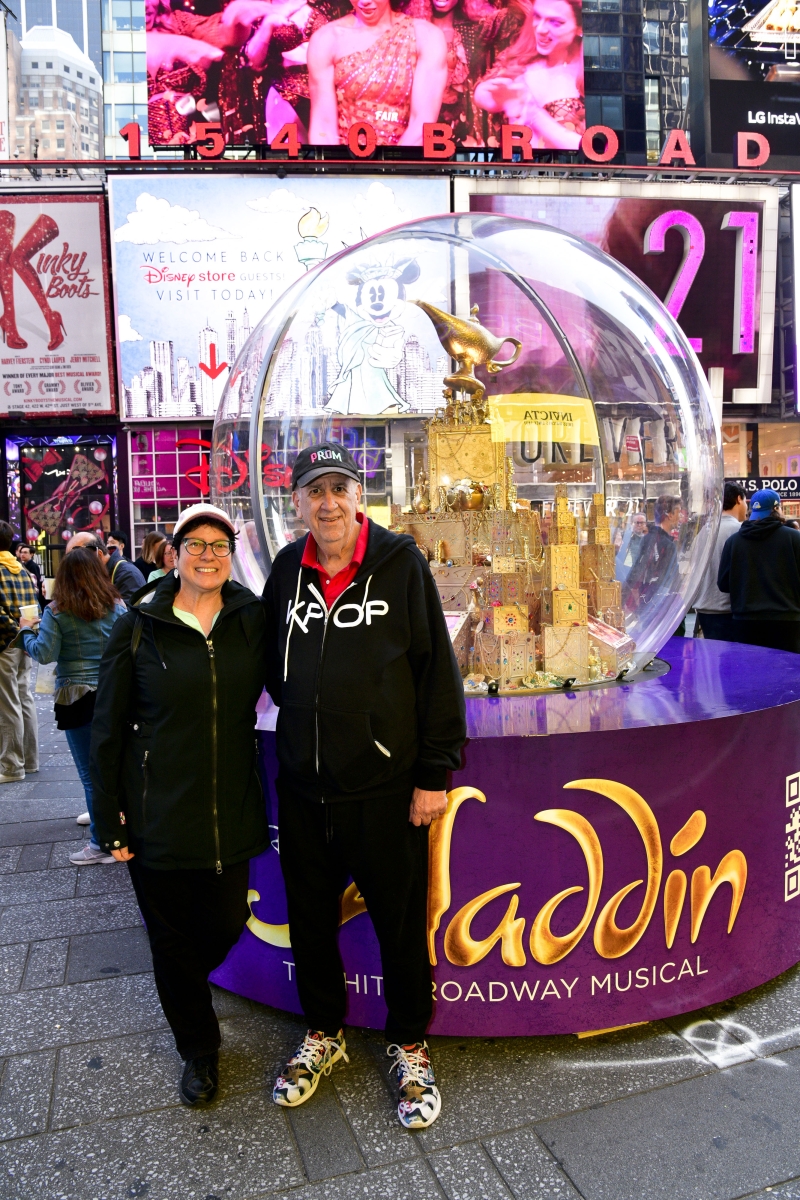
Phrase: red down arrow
(214, 368)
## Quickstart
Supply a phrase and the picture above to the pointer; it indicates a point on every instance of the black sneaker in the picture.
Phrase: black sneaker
(199, 1080)
(314, 1058)
(420, 1102)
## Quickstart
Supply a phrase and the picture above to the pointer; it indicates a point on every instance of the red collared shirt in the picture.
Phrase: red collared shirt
(333, 585)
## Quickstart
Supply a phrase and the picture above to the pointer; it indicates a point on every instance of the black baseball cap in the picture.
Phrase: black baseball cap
(326, 458)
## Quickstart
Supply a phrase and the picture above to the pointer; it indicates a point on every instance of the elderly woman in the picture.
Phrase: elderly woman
(177, 795)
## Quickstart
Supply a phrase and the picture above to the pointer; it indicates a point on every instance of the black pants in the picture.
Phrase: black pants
(374, 841)
(193, 919)
(775, 635)
(717, 627)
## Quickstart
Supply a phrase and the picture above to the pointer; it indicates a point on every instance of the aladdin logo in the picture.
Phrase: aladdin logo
(325, 455)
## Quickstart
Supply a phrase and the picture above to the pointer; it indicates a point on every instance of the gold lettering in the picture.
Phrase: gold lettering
(689, 834)
(273, 935)
(546, 946)
(463, 951)
(351, 904)
(609, 940)
(439, 839)
(674, 895)
(733, 870)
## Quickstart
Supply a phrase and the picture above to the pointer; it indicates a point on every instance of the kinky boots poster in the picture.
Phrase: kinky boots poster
(55, 352)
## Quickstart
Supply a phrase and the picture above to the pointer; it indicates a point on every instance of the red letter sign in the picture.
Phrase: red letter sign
(516, 137)
(287, 140)
(677, 146)
(741, 146)
(354, 135)
(133, 136)
(208, 138)
(437, 141)
(587, 143)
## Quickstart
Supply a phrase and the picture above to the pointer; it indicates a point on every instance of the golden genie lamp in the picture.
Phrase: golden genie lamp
(471, 345)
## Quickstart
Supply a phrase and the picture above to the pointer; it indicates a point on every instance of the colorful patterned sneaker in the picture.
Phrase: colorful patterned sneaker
(314, 1058)
(420, 1102)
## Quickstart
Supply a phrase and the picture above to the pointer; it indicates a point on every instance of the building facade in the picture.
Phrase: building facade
(55, 96)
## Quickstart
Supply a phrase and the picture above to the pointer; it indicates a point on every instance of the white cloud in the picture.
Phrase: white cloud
(125, 331)
(156, 220)
(279, 201)
(378, 209)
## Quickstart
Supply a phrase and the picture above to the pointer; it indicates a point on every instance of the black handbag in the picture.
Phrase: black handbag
(80, 712)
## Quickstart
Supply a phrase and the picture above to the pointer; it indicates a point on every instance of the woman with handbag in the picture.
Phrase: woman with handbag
(73, 633)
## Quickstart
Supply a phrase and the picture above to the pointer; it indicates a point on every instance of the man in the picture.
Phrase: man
(25, 556)
(124, 575)
(371, 720)
(630, 545)
(19, 727)
(760, 569)
(657, 563)
(712, 606)
(117, 539)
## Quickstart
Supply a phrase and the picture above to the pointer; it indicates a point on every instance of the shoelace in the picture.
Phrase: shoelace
(411, 1065)
(310, 1051)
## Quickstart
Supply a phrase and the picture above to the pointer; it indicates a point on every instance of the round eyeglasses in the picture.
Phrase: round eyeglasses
(196, 546)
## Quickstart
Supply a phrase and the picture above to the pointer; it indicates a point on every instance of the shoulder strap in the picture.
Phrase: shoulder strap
(137, 634)
(116, 564)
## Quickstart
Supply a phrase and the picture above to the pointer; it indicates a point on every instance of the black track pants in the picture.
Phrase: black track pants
(374, 841)
(775, 635)
(193, 919)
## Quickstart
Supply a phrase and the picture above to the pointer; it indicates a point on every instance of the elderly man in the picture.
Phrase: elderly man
(371, 720)
(126, 578)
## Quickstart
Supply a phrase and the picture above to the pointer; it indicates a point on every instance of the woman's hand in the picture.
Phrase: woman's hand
(426, 806)
(123, 855)
(28, 623)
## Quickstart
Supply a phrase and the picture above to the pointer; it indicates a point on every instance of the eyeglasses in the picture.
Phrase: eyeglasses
(196, 546)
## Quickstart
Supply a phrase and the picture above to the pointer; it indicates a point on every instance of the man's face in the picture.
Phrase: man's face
(640, 523)
(113, 544)
(739, 510)
(328, 506)
(24, 553)
(671, 520)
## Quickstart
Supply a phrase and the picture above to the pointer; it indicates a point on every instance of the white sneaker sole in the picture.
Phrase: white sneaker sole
(284, 1103)
(424, 1124)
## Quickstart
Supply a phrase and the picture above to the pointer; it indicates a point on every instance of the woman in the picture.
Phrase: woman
(73, 633)
(378, 66)
(538, 81)
(165, 559)
(177, 794)
(144, 563)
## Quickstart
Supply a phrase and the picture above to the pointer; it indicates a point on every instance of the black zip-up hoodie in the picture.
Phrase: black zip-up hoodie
(760, 567)
(370, 694)
(173, 756)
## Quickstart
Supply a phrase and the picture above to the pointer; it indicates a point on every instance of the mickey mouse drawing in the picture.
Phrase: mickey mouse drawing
(372, 342)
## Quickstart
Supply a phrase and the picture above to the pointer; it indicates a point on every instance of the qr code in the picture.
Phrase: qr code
(792, 844)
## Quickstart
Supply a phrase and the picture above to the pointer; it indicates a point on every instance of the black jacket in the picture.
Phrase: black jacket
(173, 756)
(371, 698)
(760, 567)
(127, 579)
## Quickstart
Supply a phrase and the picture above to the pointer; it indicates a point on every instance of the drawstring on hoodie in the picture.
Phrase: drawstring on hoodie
(291, 625)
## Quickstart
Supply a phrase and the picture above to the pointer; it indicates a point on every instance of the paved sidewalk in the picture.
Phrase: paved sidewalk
(706, 1107)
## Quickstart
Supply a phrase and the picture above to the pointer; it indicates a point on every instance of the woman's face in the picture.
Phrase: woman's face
(207, 571)
(441, 7)
(370, 11)
(170, 558)
(554, 26)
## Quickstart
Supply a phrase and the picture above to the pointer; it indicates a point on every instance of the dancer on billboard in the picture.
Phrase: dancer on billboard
(538, 81)
(18, 259)
(379, 66)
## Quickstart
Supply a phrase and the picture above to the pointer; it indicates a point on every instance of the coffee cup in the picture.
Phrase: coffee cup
(30, 612)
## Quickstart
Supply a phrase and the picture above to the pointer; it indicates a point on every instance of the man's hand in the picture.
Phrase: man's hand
(426, 806)
(123, 855)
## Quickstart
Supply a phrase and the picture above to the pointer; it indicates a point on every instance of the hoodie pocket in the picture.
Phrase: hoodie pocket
(350, 757)
(296, 739)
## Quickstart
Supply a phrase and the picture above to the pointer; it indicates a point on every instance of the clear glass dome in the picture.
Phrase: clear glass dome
(520, 404)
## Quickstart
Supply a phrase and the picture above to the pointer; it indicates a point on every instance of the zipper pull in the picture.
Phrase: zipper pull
(219, 867)
(210, 645)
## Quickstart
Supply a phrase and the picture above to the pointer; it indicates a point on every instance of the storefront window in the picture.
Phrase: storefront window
(778, 449)
(168, 472)
(737, 450)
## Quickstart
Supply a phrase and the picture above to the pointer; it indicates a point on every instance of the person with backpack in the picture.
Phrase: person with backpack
(73, 633)
(176, 789)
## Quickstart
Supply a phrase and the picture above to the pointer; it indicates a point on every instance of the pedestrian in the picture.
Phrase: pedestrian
(712, 606)
(630, 545)
(73, 633)
(165, 559)
(19, 726)
(144, 563)
(656, 566)
(117, 539)
(176, 789)
(371, 720)
(25, 556)
(760, 569)
(123, 574)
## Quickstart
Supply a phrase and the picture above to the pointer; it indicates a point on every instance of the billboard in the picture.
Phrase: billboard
(711, 261)
(250, 69)
(61, 485)
(198, 262)
(55, 354)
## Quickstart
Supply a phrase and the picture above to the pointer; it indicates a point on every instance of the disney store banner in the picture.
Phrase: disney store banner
(55, 354)
(198, 262)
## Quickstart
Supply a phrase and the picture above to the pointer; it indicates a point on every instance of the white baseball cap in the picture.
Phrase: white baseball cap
(209, 511)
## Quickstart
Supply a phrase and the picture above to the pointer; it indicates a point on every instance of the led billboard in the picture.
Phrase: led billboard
(251, 67)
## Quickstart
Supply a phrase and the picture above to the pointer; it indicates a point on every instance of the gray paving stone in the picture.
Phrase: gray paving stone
(60, 851)
(724, 1135)
(116, 1077)
(9, 857)
(326, 1144)
(228, 1004)
(29, 922)
(786, 1191)
(724, 1042)
(25, 887)
(767, 1019)
(467, 1173)
(47, 963)
(368, 1103)
(490, 1085)
(100, 880)
(25, 833)
(412, 1181)
(12, 964)
(527, 1168)
(117, 952)
(39, 809)
(25, 1092)
(236, 1150)
(34, 858)
(60, 1016)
